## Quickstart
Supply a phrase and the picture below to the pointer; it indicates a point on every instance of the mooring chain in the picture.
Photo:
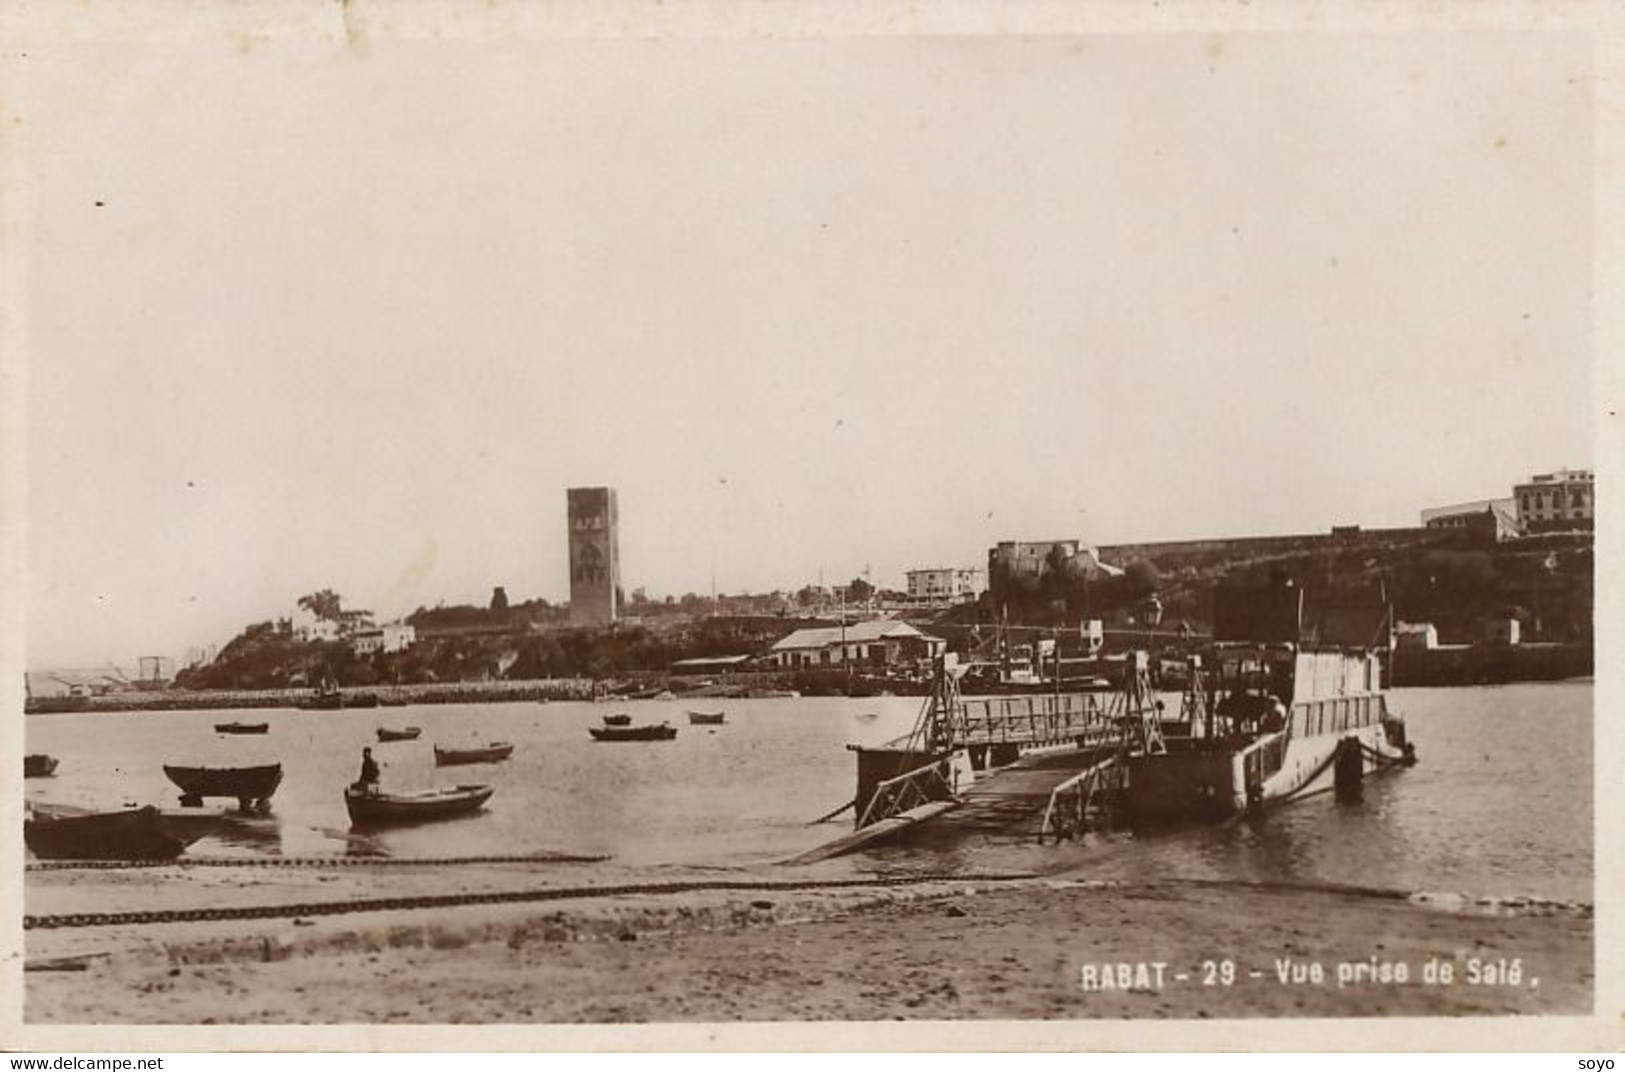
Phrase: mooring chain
(560, 893)
(310, 861)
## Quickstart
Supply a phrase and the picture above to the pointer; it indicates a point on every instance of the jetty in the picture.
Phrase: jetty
(1037, 764)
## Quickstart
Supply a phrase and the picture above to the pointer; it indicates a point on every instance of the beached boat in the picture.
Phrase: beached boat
(491, 753)
(331, 698)
(370, 807)
(707, 718)
(617, 720)
(250, 786)
(406, 733)
(661, 732)
(39, 765)
(129, 834)
(242, 727)
(773, 694)
(1291, 711)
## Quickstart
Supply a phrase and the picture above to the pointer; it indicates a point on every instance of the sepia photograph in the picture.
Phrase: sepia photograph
(528, 518)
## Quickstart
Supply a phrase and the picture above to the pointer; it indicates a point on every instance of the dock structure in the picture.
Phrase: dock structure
(1004, 762)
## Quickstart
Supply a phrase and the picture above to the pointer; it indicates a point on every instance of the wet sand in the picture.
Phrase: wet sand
(939, 950)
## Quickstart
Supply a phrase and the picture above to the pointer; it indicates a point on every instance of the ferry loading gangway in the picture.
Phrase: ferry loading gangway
(954, 733)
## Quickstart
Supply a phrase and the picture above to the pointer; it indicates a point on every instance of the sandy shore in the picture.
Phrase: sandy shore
(937, 950)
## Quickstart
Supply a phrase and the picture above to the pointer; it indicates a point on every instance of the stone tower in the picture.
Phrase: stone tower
(595, 556)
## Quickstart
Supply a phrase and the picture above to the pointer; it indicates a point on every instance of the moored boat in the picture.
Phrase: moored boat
(39, 765)
(491, 753)
(242, 727)
(707, 718)
(251, 786)
(406, 733)
(617, 720)
(660, 732)
(128, 834)
(374, 807)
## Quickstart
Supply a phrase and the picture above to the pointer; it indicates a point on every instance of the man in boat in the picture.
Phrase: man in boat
(369, 772)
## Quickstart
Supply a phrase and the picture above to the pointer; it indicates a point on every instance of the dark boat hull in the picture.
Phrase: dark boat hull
(702, 718)
(454, 757)
(242, 727)
(633, 733)
(381, 808)
(337, 701)
(39, 766)
(617, 720)
(410, 733)
(134, 834)
(241, 783)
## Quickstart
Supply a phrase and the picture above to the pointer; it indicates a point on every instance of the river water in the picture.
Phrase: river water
(1500, 804)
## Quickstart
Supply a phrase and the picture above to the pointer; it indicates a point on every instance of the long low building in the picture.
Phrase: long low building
(879, 642)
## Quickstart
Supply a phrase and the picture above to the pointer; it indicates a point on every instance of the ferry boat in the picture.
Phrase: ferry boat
(1292, 707)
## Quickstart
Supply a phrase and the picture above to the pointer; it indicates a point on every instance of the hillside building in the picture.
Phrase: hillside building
(880, 642)
(1556, 502)
(1494, 519)
(944, 585)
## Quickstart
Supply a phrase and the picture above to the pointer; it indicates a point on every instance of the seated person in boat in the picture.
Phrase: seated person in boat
(368, 781)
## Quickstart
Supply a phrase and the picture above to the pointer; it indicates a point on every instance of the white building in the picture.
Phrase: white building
(307, 627)
(1495, 517)
(945, 585)
(879, 642)
(390, 637)
(1416, 636)
(1549, 502)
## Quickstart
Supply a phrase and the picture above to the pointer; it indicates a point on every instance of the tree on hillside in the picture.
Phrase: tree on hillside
(326, 604)
(499, 598)
(1142, 578)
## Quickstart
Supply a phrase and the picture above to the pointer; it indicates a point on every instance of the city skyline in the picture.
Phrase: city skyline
(808, 308)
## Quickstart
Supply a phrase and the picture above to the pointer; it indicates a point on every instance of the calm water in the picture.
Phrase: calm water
(1500, 803)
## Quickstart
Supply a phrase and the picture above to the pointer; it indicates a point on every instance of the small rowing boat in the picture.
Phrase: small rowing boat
(252, 786)
(372, 807)
(617, 720)
(707, 718)
(39, 765)
(491, 753)
(407, 733)
(662, 732)
(242, 727)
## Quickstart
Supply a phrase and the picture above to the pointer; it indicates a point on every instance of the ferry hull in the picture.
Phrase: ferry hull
(1189, 784)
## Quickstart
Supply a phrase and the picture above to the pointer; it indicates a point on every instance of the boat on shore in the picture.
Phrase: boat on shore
(252, 787)
(707, 718)
(39, 765)
(1288, 713)
(491, 753)
(405, 733)
(242, 727)
(372, 807)
(617, 720)
(658, 732)
(332, 698)
(59, 833)
(773, 694)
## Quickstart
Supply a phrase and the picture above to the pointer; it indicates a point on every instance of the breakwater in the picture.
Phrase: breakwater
(1482, 664)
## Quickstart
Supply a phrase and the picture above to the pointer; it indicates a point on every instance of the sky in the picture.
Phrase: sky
(305, 316)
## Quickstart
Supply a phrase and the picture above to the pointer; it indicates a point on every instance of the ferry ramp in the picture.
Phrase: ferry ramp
(1011, 800)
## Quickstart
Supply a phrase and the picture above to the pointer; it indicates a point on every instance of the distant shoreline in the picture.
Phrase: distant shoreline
(1443, 669)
